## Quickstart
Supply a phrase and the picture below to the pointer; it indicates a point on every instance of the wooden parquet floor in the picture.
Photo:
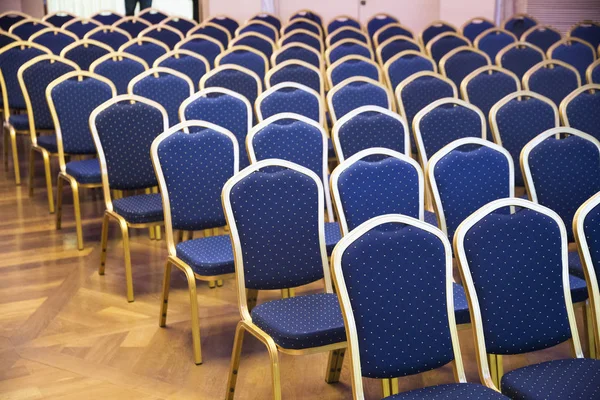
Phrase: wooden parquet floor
(68, 333)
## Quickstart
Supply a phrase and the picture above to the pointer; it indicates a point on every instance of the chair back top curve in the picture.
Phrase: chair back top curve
(246, 57)
(106, 17)
(152, 15)
(85, 51)
(581, 109)
(185, 61)
(291, 97)
(519, 57)
(440, 45)
(353, 65)
(435, 28)
(109, 35)
(296, 71)
(226, 22)
(378, 21)
(588, 31)
(576, 52)
(461, 61)
(552, 78)
(58, 18)
(297, 51)
(493, 40)
(132, 25)
(236, 78)
(518, 24)
(183, 25)
(356, 92)
(474, 26)
(54, 39)
(81, 26)
(405, 64)
(163, 33)
(145, 48)
(212, 30)
(120, 68)
(390, 30)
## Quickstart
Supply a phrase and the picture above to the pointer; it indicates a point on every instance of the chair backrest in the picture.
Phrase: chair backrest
(27, 27)
(183, 25)
(132, 25)
(460, 62)
(303, 36)
(542, 36)
(350, 66)
(576, 52)
(434, 29)
(347, 47)
(58, 18)
(518, 118)
(212, 30)
(85, 51)
(356, 92)
(553, 79)
(378, 21)
(376, 181)
(519, 57)
(395, 45)
(308, 14)
(222, 107)
(246, 57)
(163, 33)
(7, 38)
(54, 39)
(296, 71)
(416, 286)
(304, 24)
(269, 18)
(493, 40)
(519, 24)
(367, 127)
(187, 62)
(81, 26)
(233, 77)
(109, 35)
(203, 45)
(106, 17)
(474, 26)
(341, 21)
(119, 68)
(588, 31)
(9, 18)
(297, 51)
(257, 26)
(226, 22)
(391, 30)
(581, 109)
(260, 202)
(443, 122)
(191, 169)
(255, 40)
(445, 42)
(291, 97)
(165, 86)
(561, 173)
(593, 72)
(146, 48)
(348, 32)
(404, 64)
(152, 15)
(71, 100)
(465, 175)
(515, 271)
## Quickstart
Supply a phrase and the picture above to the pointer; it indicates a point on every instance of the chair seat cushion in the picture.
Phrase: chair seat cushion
(430, 218)
(576, 378)
(461, 306)
(140, 209)
(579, 290)
(332, 235)
(330, 149)
(85, 171)
(208, 256)
(302, 322)
(19, 121)
(575, 266)
(452, 391)
(48, 142)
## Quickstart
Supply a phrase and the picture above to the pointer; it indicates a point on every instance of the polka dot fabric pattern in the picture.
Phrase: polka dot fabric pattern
(346, 49)
(10, 62)
(114, 39)
(85, 56)
(154, 18)
(291, 100)
(451, 391)
(126, 132)
(208, 256)
(307, 15)
(195, 167)
(403, 67)
(444, 45)
(107, 19)
(351, 68)
(181, 25)
(27, 29)
(48, 142)
(59, 20)
(347, 34)
(515, 262)
(518, 26)
(555, 83)
(302, 322)
(543, 38)
(342, 22)
(120, 72)
(396, 282)
(279, 238)
(493, 42)
(358, 94)
(165, 36)
(584, 113)
(590, 33)
(230, 24)
(575, 266)
(473, 29)
(81, 28)
(461, 306)
(298, 74)
(308, 40)
(212, 32)
(298, 53)
(520, 60)
(54, 41)
(486, 89)
(148, 52)
(269, 19)
(332, 236)
(246, 59)
(5, 39)
(565, 173)
(393, 31)
(579, 290)
(263, 30)
(237, 81)
(134, 28)
(396, 46)
(576, 54)
(256, 43)
(379, 22)
(434, 30)
(19, 121)
(596, 74)
(592, 235)
(187, 65)
(140, 209)
(85, 171)
(461, 64)
(167, 90)
(558, 379)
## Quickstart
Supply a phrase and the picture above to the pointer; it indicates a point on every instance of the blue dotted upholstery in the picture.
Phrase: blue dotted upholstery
(165, 36)
(392, 31)
(341, 22)
(461, 305)
(348, 34)
(54, 41)
(579, 291)
(396, 46)
(433, 30)
(10, 62)
(187, 65)
(302, 322)
(148, 52)
(8, 20)
(208, 256)
(167, 90)
(154, 17)
(576, 54)
(182, 25)
(440, 47)
(247, 59)
(59, 20)
(588, 32)
(346, 49)
(204, 47)
(6, 39)
(291, 100)
(301, 37)
(357, 94)
(19, 121)
(48, 142)
(378, 22)
(519, 25)
(25, 30)
(106, 18)
(486, 89)
(591, 232)
(213, 32)
(140, 209)
(543, 38)
(520, 59)
(228, 23)
(298, 53)
(450, 391)
(462, 63)
(114, 39)
(80, 28)
(84, 56)
(354, 67)
(596, 74)
(126, 132)
(493, 42)
(575, 266)
(85, 171)
(565, 173)
(332, 236)
(308, 15)
(120, 72)
(133, 27)
(583, 113)
(474, 28)
(269, 19)
(257, 43)
(299, 74)
(259, 28)
(555, 83)
(403, 67)
(238, 81)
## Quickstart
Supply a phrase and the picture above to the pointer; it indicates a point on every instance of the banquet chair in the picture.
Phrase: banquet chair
(7, 38)
(109, 35)
(350, 66)
(460, 62)
(187, 62)
(224, 108)
(84, 52)
(27, 27)
(9, 18)
(256, 203)
(123, 129)
(347, 32)
(191, 169)
(212, 30)
(106, 17)
(395, 45)
(81, 26)
(233, 77)
(152, 15)
(296, 71)
(552, 78)
(226, 22)
(268, 18)
(444, 43)
(391, 30)
(71, 99)
(203, 45)
(575, 52)
(246, 57)
(34, 76)
(54, 39)
(518, 24)
(474, 26)
(423, 293)
(341, 21)
(542, 36)
(183, 25)
(291, 97)
(434, 29)
(581, 110)
(588, 31)
(519, 57)
(307, 14)
(164, 34)
(348, 47)
(58, 18)
(297, 51)
(593, 72)
(120, 68)
(255, 40)
(132, 25)
(146, 48)
(493, 40)
(261, 27)
(305, 37)
(518, 118)
(529, 293)
(378, 21)
(404, 64)
(356, 92)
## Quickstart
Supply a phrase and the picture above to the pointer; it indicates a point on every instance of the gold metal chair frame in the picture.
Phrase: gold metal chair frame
(220, 17)
(177, 53)
(564, 115)
(257, 22)
(388, 63)
(58, 14)
(105, 28)
(287, 63)
(106, 12)
(194, 37)
(386, 42)
(86, 43)
(280, 50)
(216, 70)
(435, 23)
(241, 48)
(457, 50)
(302, 12)
(304, 32)
(548, 64)
(140, 40)
(252, 34)
(29, 20)
(379, 31)
(134, 19)
(379, 16)
(160, 27)
(329, 38)
(345, 42)
(290, 85)
(340, 18)
(334, 65)
(591, 68)
(263, 14)
(175, 19)
(443, 35)
(538, 28)
(191, 32)
(154, 73)
(517, 16)
(117, 56)
(345, 82)
(474, 20)
(53, 30)
(151, 10)
(581, 23)
(297, 20)
(82, 21)
(491, 31)
(519, 44)
(568, 41)
(489, 69)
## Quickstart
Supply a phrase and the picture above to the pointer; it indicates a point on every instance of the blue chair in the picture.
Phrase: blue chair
(81, 26)
(9, 18)
(395, 45)
(357, 92)
(246, 57)
(146, 48)
(302, 24)
(373, 257)
(350, 66)
(71, 100)
(404, 64)
(588, 31)
(297, 51)
(434, 29)
(512, 255)
(445, 42)
(226, 22)
(257, 26)
(391, 30)
(7, 38)
(493, 40)
(233, 77)
(296, 71)
(34, 76)
(517, 119)
(290, 97)
(84, 52)
(183, 25)
(119, 68)
(347, 32)
(132, 25)
(542, 36)
(203, 45)
(581, 110)
(460, 62)
(269, 19)
(187, 62)
(54, 39)
(519, 57)
(443, 122)
(165, 86)
(123, 129)
(341, 21)
(58, 18)
(305, 37)
(164, 34)
(111, 36)
(257, 207)
(308, 14)
(255, 40)
(593, 72)
(224, 108)
(152, 15)
(474, 26)
(518, 24)
(367, 127)
(27, 27)
(346, 48)
(192, 168)
(106, 17)
(575, 52)
(553, 79)
(213, 31)
(378, 21)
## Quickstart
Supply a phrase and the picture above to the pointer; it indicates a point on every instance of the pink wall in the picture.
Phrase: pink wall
(458, 11)
(35, 8)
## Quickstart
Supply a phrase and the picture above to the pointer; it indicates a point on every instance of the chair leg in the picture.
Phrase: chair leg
(127, 257)
(6, 142)
(103, 243)
(15, 154)
(158, 234)
(31, 170)
(499, 369)
(59, 199)
(285, 293)
(49, 187)
(195, 320)
(275, 374)
(386, 387)
(235, 360)
(393, 383)
(251, 298)
(219, 282)
(493, 369)
(77, 210)
(164, 300)
(334, 365)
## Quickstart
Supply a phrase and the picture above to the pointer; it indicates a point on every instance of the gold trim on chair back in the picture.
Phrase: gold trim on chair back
(154, 72)
(224, 67)
(105, 28)
(548, 64)
(305, 32)
(442, 35)
(27, 20)
(333, 66)
(240, 47)
(388, 63)
(301, 63)
(386, 42)
(349, 29)
(287, 85)
(489, 69)
(256, 22)
(564, 116)
(117, 56)
(346, 82)
(379, 31)
(460, 49)
(304, 20)
(55, 30)
(519, 44)
(342, 43)
(437, 22)
(296, 44)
